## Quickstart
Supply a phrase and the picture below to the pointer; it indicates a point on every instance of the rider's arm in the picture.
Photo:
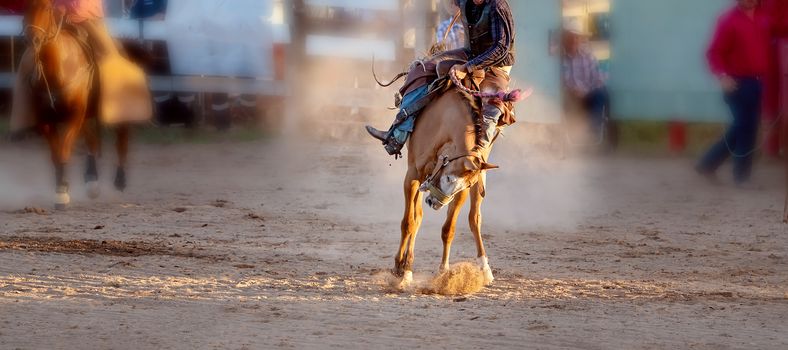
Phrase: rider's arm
(498, 51)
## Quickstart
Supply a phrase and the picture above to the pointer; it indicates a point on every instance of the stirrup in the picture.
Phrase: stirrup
(394, 148)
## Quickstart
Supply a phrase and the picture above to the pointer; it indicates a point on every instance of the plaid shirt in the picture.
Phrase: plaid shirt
(456, 38)
(581, 73)
(500, 53)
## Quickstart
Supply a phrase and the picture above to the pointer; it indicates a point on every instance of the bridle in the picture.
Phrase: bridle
(429, 183)
(48, 36)
(37, 45)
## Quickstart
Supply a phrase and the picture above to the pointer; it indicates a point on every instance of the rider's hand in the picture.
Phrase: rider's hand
(459, 71)
(728, 84)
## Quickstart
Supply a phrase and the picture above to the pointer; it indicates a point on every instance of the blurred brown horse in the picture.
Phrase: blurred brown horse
(64, 91)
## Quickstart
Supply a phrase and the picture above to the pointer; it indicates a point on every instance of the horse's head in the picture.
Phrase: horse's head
(39, 23)
(452, 176)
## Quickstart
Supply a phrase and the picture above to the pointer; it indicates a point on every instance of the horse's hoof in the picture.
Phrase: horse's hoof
(488, 276)
(406, 281)
(486, 271)
(93, 189)
(62, 200)
(120, 180)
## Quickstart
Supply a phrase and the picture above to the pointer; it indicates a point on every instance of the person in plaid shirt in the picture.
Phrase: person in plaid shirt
(489, 47)
(582, 78)
(456, 37)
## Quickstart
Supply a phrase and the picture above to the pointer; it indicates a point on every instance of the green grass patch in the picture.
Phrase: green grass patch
(652, 137)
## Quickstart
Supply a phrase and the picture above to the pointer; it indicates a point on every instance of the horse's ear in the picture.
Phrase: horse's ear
(472, 164)
(488, 166)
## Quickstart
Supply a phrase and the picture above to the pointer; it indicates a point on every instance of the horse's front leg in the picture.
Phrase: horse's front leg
(449, 227)
(73, 128)
(50, 133)
(475, 221)
(403, 261)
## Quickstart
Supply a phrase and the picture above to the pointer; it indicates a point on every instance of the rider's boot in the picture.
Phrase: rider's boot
(488, 127)
(380, 135)
(395, 138)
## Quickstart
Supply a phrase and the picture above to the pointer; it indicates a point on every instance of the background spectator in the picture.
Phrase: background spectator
(456, 38)
(583, 81)
(739, 58)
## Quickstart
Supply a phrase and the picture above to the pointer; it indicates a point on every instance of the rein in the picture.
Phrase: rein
(37, 49)
(516, 95)
(451, 27)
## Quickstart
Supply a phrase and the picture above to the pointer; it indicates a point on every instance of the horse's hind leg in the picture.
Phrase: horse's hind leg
(93, 141)
(403, 261)
(475, 221)
(122, 147)
(449, 227)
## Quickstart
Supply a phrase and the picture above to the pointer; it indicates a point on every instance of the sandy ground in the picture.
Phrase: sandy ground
(235, 246)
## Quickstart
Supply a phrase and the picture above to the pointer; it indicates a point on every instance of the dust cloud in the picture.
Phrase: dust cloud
(537, 186)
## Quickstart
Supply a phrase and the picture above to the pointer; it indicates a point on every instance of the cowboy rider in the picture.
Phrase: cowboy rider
(85, 14)
(489, 47)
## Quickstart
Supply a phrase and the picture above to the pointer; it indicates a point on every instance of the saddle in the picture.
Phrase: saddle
(436, 76)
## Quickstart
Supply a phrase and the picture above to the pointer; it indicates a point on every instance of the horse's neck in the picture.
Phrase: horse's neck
(445, 128)
(51, 55)
(457, 115)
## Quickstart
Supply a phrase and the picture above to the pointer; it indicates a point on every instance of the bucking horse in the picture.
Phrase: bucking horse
(443, 164)
(65, 94)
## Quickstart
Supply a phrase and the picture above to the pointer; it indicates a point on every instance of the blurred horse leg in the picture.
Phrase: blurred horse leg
(93, 141)
(51, 134)
(73, 129)
(122, 147)
(411, 221)
(449, 227)
(475, 221)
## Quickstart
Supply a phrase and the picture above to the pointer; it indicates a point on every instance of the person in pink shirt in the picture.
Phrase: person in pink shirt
(739, 57)
(89, 14)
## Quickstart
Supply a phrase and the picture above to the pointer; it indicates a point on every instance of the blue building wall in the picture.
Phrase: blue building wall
(658, 69)
(535, 67)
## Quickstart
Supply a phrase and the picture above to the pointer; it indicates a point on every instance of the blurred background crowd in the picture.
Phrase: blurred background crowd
(634, 73)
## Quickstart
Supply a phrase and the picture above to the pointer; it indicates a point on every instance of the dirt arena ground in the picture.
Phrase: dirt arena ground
(237, 246)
